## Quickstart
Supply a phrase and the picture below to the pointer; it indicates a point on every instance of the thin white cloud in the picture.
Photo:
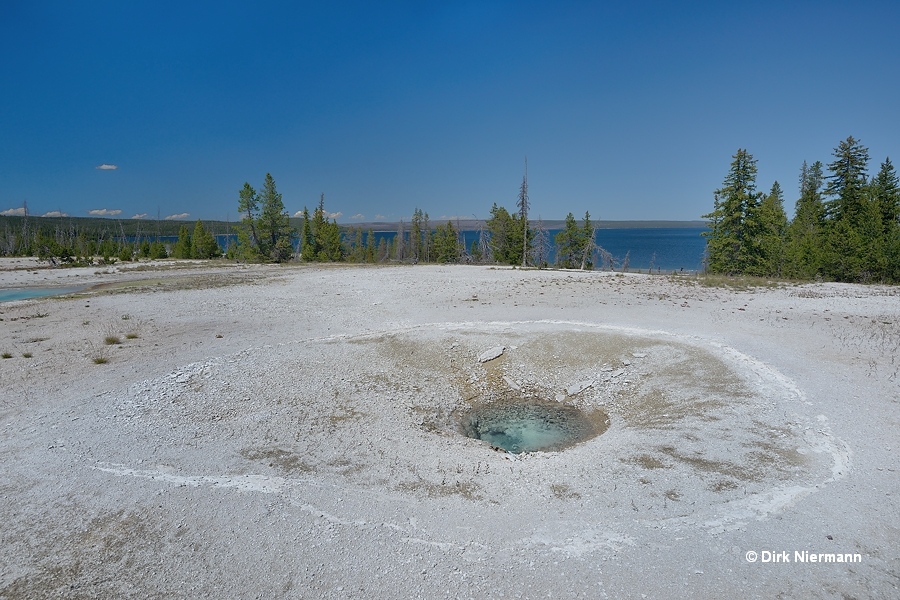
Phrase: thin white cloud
(106, 167)
(380, 217)
(177, 217)
(298, 214)
(14, 212)
(452, 218)
(334, 215)
(358, 216)
(55, 213)
(140, 216)
(105, 212)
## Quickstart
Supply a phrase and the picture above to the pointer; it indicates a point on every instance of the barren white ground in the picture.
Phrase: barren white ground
(292, 432)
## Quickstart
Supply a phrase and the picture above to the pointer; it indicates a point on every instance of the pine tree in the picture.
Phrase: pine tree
(308, 250)
(265, 232)
(332, 246)
(523, 206)
(570, 244)
(805, 235)
(273, 224)
(203, 243)
(498, 229)
(773, 226)
(426, 241)
(475, 251)
(248, 208)
(319, 223)
(446, 244)
(886, 191)
(734, 221)
(847, 182)
(415, 236)
(508, 234)
(158, 250)
(371, 246)
(358, 250)
(588, 234)
(321, 239)
(849, 214)
(182, 248)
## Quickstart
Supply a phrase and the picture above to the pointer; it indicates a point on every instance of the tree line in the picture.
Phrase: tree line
(85, 241)
(266, 234)
(506, 238)
(846, 225)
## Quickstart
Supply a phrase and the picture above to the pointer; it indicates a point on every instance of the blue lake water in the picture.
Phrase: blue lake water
(668, 249)
(8, 295)
(664, 248)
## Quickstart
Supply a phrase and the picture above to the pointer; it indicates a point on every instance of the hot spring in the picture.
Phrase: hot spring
(529, 425)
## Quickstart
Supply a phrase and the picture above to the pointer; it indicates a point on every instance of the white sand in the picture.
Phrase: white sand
(291, 432)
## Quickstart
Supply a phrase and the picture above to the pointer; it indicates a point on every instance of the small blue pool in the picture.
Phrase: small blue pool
(25, 293)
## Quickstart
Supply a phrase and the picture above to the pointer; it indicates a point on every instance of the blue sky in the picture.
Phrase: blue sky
(631, 110)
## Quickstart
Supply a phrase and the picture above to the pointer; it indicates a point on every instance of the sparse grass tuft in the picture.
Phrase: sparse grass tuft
(27, 355)
(134, 329)
(111, 336)
(6, 355)
(126, 317)
(735, 282)
(98, 354)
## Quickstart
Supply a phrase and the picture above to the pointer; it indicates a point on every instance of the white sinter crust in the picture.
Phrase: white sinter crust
(293, 432)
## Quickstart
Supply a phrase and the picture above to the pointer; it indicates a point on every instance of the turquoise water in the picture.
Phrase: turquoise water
(529, 425)
(8, 295)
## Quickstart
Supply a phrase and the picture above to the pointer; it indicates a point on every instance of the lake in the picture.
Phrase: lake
(668, 249)
(664, 248)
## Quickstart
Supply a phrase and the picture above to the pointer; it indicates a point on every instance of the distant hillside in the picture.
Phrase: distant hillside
(113, 227)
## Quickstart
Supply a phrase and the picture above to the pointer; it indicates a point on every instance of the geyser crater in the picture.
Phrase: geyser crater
(531, 425)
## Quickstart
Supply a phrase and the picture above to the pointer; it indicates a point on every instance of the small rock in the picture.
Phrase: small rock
(579, 387)
(512, 383)
(491, 354)
(617, 373)
(639, 354)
